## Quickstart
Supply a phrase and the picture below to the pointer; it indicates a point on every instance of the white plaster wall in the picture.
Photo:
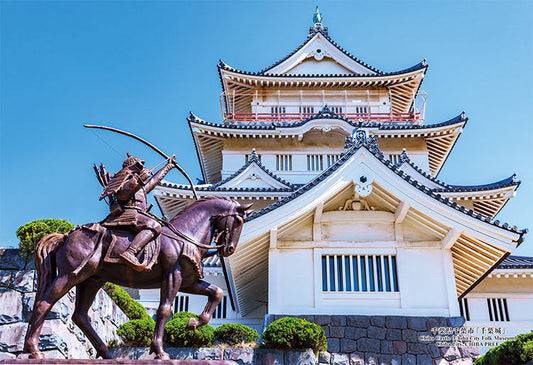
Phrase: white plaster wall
(296, 284)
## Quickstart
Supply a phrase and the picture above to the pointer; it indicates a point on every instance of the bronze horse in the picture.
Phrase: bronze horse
(77, 259)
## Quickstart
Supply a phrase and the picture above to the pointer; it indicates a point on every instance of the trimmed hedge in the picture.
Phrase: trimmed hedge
(514, 352)
(294, 333)
(177, 335)
(234, 333)
(132, 308)
(137, 332)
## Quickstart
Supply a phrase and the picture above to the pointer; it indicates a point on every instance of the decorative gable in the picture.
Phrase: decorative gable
(254, 176)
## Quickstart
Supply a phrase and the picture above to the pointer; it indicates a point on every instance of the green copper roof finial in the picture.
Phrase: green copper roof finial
(317, 18)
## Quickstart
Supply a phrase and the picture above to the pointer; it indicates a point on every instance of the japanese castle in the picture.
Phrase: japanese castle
(350, 217)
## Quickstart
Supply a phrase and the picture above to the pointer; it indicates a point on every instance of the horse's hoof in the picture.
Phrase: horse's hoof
(162, 356)
(36, 355)
(192, 324)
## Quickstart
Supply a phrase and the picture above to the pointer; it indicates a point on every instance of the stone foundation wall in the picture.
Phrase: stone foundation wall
(60, 337)
(376, 340)
(242, 356)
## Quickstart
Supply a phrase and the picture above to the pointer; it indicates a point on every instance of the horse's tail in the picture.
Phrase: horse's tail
(45, 262)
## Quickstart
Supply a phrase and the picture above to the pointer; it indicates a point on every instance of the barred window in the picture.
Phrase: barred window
(277, 109)
(463, 308)
(307, 110)
(315, 163)
(284, 162)
(359, 273)
(394, 158)
(498, 311)
(337, 109)
(331, 159)
(221, 309)
(361, 109)
(181, 303)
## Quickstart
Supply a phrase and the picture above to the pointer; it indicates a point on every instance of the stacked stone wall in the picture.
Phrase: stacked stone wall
(60, 337)
(394, 340)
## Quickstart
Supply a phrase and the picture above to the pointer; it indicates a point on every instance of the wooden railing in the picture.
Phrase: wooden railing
(296, 117)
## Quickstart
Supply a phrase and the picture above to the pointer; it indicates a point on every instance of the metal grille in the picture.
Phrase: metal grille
(331, 159)
(359, 273)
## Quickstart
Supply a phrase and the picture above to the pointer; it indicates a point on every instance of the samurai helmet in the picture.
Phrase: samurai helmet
(131, 161)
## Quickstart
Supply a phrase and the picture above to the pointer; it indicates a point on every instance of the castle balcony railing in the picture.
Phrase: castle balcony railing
(414, 118)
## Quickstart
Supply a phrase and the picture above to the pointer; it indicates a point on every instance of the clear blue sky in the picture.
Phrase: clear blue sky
(142, 66)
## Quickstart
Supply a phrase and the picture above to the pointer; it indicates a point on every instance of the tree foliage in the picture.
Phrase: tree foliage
(31, 233)
(514, 352)
(137, 332)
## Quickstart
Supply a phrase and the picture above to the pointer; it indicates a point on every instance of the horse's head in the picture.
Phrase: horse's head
(228, 226)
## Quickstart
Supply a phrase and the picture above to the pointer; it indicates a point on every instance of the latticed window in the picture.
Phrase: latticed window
(361, 109)
(359, 273)
(222, 309)
(284, 162)
(394, 158)
(331, 159)
(337, 109)
(307, 110)
(315, 163)
(498, 311)
(277, 109)
(463, 308)
(181, 303)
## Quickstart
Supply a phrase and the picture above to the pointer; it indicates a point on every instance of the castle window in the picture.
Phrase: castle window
(361, 109)
(331, 159)
(463, 308)
(181, 303)
(315, 163)
(337, 109)
(395, 159)
(277, 109)
(307, 110)
(359, 273)
(283, 162)
(222, 309)
(498, 311)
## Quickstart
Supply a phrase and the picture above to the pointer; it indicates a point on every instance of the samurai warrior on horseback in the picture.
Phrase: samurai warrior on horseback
(127, 191)
(172, 251)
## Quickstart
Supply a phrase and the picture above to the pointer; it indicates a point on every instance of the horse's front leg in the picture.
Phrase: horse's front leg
(169, 288)
(214, 297)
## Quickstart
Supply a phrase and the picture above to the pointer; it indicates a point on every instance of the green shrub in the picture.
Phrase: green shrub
(137, 332)
(234, 333)
(294, 333)
(31, 233)
(177, 335)
(514, 352)
(130, 307)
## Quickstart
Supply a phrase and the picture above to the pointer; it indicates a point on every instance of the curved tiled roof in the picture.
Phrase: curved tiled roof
(510, 181)
(375, 151)
(324, 33)
(218, 186)
(325, 115)
(418, 66)
(516, 262)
